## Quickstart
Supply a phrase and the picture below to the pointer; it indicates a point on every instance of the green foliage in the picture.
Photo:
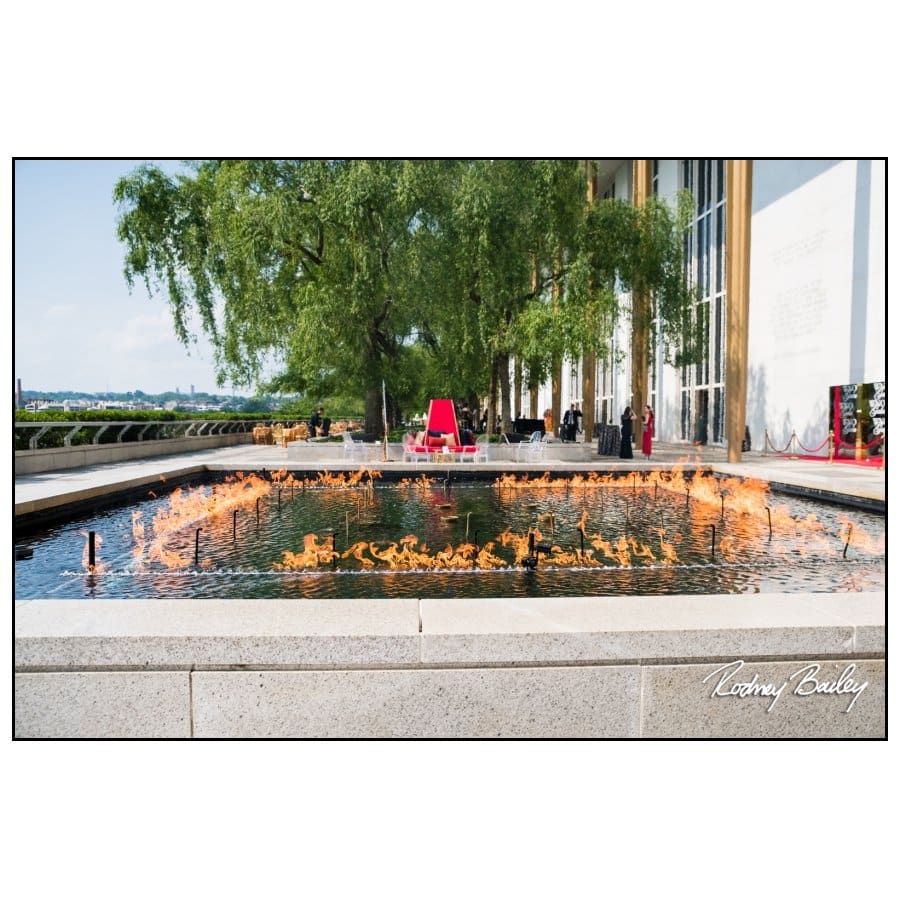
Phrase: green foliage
(427, 275)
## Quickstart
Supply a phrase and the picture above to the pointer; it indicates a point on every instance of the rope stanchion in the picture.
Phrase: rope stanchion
(816, 449)
(774, 448)
(833, 440)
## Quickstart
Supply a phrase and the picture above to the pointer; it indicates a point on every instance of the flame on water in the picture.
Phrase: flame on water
(708, 498)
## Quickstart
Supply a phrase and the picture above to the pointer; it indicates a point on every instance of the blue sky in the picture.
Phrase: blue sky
(77, 327)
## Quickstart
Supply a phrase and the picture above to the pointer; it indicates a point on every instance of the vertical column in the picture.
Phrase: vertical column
(640, 309)
(738, 196)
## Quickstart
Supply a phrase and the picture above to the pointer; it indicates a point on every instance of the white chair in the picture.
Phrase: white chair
(481, 450)
(353, 450)
(531, 450)
(410, 454)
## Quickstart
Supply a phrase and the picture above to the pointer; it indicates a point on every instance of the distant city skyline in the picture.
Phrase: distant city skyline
(77, 327)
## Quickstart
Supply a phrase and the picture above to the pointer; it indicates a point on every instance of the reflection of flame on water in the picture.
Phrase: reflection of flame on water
(423, 481)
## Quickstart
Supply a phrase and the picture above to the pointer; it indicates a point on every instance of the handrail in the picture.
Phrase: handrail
(167, 429)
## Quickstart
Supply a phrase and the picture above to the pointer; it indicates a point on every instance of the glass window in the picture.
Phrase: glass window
(717, 375)
(718, 417)
(720, 247)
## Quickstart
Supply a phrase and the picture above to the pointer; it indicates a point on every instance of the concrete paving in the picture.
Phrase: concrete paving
(41, 492)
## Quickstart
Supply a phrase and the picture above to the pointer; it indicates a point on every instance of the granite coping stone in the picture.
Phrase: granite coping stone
(582, 629)
(190, 633)
(164, 633)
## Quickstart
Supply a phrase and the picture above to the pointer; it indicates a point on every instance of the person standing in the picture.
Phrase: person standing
(647, 437)
(568, 429)
(628, 418)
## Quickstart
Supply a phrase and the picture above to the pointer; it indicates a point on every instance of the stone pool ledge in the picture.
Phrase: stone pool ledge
(563, 667)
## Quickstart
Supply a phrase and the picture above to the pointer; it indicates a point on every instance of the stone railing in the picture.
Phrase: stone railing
(67, 445)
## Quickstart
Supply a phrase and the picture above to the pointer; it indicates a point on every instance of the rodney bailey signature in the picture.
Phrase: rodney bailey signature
(806, 684)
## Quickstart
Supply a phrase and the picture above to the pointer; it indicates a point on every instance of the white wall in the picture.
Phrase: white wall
(876, 336)
(803, 233)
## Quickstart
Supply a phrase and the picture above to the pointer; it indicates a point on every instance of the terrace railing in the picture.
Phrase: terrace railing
(45, 435)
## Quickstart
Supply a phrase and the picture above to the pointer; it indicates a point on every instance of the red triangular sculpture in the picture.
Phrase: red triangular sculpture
(442, 417)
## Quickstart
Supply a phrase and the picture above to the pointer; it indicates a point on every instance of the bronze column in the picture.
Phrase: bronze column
(738, 208)
(640, 310)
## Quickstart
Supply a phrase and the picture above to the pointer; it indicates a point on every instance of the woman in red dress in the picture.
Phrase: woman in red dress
(647, 439)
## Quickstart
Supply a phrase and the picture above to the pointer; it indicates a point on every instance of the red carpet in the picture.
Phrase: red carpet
(873, 462)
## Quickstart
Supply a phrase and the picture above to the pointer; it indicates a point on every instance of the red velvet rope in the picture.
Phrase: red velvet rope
(775, 448)
(876, 440)
(814, 450)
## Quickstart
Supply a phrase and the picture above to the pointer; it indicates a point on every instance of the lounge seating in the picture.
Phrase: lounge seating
(442, 433)
(262, 434)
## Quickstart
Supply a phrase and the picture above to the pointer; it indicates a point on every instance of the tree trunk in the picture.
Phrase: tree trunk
(492, 400)
(503, 371)
(588, 394)
(556, 393)
(533, 399)
(517, 386)
(373, 424)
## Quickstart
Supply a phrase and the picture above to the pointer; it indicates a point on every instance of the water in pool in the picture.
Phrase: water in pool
(331, 536)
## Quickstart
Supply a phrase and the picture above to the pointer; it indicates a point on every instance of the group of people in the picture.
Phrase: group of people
(628, 418)
(469, 421)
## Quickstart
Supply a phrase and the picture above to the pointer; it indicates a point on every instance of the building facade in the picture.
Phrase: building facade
(817, 300)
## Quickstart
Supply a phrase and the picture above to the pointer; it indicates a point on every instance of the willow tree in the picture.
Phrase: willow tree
(302, 263)
(498, 237)
(345, 273)
(542, 273)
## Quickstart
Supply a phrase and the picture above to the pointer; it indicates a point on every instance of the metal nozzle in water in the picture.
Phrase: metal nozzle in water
(197, 547)
(849, 535)
(92, 550)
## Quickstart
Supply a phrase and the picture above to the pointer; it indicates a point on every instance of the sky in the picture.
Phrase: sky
(77, 325)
